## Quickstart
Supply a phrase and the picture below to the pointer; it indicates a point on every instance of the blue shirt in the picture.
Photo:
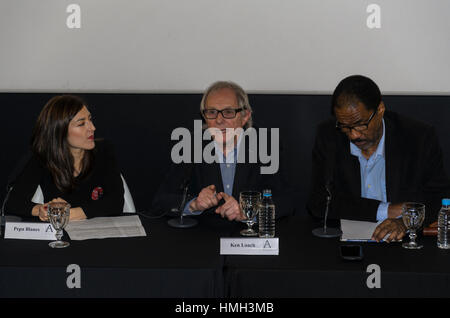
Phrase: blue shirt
(227, 170)
(373, 176)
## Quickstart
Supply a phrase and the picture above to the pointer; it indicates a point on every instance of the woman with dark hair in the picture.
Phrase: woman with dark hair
(69, 165)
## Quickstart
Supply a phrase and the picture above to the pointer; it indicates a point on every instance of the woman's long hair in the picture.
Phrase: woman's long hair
(49, 141)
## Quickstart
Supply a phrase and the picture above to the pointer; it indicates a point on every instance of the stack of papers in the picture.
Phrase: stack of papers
(105, 227)
(357, 231)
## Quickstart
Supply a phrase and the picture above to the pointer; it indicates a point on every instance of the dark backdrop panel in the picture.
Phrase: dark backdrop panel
(140, 125)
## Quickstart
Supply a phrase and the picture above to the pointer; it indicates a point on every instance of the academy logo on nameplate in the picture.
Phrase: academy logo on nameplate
(249, 246)
(30, 231)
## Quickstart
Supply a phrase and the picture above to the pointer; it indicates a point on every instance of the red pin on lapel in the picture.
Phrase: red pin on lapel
(97, 193)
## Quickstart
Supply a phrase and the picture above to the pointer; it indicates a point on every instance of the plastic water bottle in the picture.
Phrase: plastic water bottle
(443, 240)
(267, 215)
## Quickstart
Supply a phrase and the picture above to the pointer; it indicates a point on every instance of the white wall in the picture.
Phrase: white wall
(288, 46)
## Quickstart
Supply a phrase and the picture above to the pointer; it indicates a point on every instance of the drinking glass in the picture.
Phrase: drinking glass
(59, 214)
(413, 215)
(249, 202)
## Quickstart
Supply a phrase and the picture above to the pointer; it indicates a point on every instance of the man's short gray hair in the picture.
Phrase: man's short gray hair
(241, 97)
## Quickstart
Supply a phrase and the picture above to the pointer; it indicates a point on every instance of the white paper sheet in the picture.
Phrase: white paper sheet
(357, 230)
(105, 227)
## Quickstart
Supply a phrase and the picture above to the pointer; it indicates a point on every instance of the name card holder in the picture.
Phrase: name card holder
(249, 246)
(29, 231)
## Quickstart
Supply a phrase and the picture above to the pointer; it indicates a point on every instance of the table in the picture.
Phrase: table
(309, 266)
(185, 263)
(168, 262)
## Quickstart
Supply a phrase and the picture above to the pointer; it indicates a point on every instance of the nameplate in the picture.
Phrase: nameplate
(249, 246)
(29, 231)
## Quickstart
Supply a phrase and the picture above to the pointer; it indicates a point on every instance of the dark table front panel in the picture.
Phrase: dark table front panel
(312, 267)
(186, 263)
(168, 262)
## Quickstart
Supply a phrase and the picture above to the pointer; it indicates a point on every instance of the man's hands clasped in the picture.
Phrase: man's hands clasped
(209, 198)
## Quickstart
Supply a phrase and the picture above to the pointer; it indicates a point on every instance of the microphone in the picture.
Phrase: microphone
(9, 187)
(328, 232)
(182, 221)
(9, 218)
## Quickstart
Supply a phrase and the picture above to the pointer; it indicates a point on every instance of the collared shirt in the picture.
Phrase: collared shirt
(227, 170)
(373, 176)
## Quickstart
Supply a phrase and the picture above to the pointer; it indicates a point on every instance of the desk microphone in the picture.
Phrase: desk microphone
(183, 222)
(8, 218)
(327, 232)
(9, 186)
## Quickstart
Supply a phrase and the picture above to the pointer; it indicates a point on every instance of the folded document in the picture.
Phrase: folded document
(358, 231)
(105, 227)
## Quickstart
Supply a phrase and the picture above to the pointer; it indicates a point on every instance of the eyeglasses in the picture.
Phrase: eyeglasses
(227, 113)
(359, 127)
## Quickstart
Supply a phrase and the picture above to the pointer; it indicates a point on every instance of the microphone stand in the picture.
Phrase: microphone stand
(2, 215)
(9, 186)
(183, 222)
(326, 232)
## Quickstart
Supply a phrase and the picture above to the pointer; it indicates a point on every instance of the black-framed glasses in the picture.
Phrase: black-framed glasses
(227, 113)
(358, 127)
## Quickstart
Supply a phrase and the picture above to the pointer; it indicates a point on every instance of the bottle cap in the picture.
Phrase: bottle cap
(445, 201)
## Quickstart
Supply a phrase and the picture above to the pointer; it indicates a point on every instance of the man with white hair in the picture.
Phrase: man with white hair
(216, 186)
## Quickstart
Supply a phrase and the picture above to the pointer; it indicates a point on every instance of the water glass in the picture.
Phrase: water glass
(59, 214)
(250, 202)
(413, 215)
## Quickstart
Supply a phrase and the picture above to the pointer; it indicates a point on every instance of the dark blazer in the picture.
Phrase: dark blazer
(104, 175)
(414, 170)
(200, 175)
